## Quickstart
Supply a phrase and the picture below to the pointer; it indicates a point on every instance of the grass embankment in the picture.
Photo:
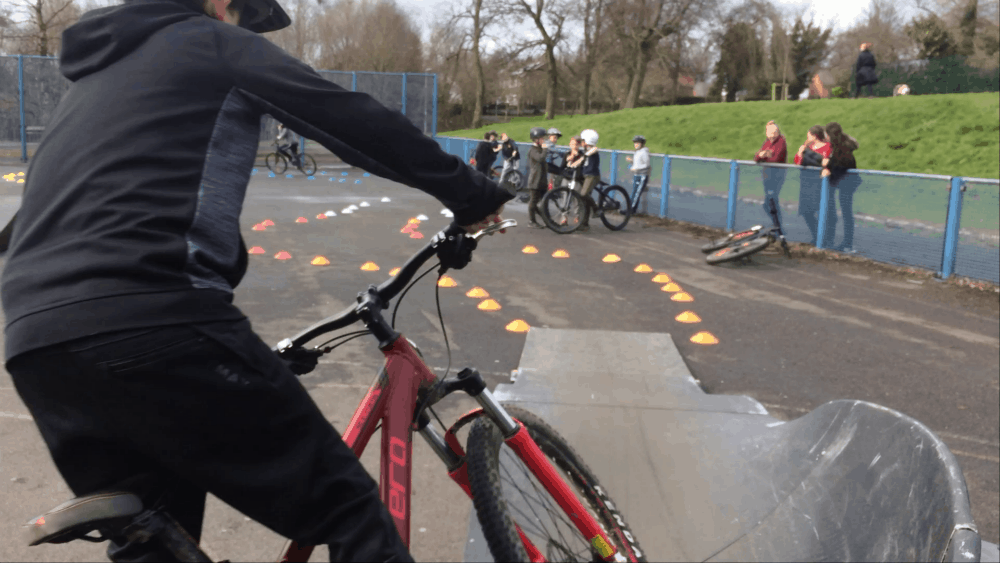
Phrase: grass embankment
(950, 134)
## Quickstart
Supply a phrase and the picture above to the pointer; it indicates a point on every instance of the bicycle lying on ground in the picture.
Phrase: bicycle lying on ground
(564, 209)
(742, 245)
(277, 161)
(574, 519)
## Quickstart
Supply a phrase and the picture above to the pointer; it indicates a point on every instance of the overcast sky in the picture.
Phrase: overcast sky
(838, 13)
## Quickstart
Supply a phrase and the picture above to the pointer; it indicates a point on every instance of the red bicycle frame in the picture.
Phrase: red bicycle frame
(392, 399)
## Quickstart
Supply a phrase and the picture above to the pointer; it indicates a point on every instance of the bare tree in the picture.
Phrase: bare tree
(356, 35)
(549, 17)
(593, 28)
(40, 32)
(641, 25)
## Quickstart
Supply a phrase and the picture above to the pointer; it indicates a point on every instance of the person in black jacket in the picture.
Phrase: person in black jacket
(122, 337)
(486, 152)
(845, 183)
(864, 71)
(538, 178)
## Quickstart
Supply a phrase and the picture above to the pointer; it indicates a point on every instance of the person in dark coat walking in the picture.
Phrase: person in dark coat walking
(864, 71)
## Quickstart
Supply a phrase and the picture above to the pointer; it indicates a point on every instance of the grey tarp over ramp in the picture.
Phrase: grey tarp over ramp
(714, 477)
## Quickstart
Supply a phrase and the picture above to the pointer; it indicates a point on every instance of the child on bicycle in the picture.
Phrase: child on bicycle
(640, 167)
(538, 173)
(511, 158)
(591, 173)
(285, 136)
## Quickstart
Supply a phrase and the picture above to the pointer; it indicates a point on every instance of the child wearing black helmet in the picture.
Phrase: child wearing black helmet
(538, 177)
(640, 167)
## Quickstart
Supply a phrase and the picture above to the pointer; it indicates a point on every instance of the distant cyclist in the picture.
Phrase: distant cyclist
(287, 143)
(122, 336)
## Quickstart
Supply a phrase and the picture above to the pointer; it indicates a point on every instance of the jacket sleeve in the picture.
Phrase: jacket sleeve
(352, 125)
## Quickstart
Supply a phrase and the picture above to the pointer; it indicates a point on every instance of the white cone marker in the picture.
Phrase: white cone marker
(386, 200)
(365, 204)
(330, 214)
(422, 217)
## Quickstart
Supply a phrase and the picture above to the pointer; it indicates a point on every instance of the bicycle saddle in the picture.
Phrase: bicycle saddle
(80, 516)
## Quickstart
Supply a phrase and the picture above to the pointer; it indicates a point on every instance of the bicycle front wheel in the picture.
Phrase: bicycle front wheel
(562, 210)
(615, 208)
(505, 493)
(514, 180)
(308, 165)
(276, 163)
(738, 250)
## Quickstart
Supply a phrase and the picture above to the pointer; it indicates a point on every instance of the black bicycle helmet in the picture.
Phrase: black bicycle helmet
(639, 139)
(537, 133)
(554, 131)
(262, 16)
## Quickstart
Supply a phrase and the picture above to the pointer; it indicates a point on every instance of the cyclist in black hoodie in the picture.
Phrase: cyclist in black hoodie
(122, 337)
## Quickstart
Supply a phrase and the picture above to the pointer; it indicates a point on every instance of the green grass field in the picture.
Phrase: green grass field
(950, 134)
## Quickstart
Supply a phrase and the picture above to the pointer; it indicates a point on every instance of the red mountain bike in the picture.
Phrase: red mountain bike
(542, 503)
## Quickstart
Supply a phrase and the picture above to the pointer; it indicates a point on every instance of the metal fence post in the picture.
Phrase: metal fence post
(613, 177)
(952, 226)
(20, 101)
(404, 94)
(824, 200)
(665, 186)
(447, 145)
(434, 108)
(733, 179)
(354, 81)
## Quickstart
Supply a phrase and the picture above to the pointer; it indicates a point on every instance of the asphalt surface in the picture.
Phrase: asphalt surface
(792, 333)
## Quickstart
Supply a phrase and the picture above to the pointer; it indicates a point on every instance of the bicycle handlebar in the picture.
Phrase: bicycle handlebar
(390, 288)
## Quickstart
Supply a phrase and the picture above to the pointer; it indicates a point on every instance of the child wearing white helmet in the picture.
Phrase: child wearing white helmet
(591, 173)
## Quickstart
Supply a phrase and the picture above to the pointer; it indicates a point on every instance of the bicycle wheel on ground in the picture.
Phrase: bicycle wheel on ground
(614, 208)
(721, 242)
(738, 250)
(308, 165)
(505, 492)
(276, 163)
(563, 210)
(513, 181)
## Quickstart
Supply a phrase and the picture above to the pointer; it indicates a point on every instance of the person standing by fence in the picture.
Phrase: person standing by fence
(774, 150)
(864, 71)
(843, 182)
(640, 167)
(538, 177)
(810, 156)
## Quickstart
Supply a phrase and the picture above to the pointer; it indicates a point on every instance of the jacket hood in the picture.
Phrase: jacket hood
(105, 35)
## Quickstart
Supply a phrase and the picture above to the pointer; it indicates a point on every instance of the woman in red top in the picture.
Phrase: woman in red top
(811, 155)
(773, 150)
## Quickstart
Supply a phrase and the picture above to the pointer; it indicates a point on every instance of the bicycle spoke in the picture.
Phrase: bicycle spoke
(551, 509)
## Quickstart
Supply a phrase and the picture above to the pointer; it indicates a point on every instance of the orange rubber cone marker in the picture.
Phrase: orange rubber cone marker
(704, 338)
(447, 281)
(413, 221)
(643, 269)
(283, 255)
(369, 267)
(687, 317)
(661, 278)
(489, 305)
(682, 296)
(320, 261)
(407, 229)
(256, 250)
(612, 258)
(302, 220)
(560, 254)
(529, 250)
(415, 234)
(259, 227)
(393, 271)
(517, 326)
(321, 216)
(268, 223)
(671, 288)
(477, 292)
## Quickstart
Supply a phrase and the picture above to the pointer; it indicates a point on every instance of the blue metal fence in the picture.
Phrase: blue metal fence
(31, 87)
(947, 224)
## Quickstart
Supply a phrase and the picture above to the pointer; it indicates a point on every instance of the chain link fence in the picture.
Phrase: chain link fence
(31, 87)
(946, 224)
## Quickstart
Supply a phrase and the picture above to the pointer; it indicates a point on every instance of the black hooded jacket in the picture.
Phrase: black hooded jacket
(130, 215)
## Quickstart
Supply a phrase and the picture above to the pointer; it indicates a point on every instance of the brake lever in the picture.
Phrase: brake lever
(506, 223)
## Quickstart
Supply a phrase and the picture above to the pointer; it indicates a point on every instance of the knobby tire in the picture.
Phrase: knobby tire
(491, 482)
(615, 208)
(738, 250)
(725, 241)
